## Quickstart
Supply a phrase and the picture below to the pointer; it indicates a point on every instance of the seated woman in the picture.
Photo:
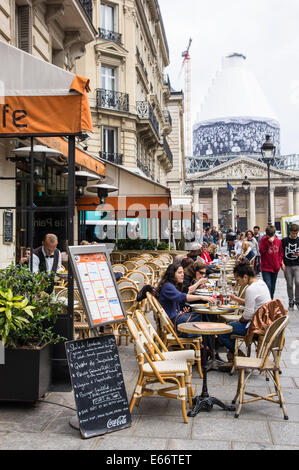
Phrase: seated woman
(212, 250)
(170, 295)
(205, 255)
(257, 294)
(194, 277)
(247, 251)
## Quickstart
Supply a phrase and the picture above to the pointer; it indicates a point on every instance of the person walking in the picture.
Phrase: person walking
(258, 237)
(271, 258)
(290, 265)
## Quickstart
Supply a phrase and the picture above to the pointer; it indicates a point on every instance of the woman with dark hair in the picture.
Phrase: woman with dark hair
(194, 276)
(205, 255)
(257, 294)
(170, 295)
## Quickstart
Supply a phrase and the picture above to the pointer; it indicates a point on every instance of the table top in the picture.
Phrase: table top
(197, 308)
(205, 328)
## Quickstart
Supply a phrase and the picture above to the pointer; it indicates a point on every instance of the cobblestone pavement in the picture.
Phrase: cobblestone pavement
(157, 423)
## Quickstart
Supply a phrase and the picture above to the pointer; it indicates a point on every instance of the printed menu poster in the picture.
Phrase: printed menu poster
(98, 286)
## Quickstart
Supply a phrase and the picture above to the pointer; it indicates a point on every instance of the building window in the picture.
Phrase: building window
(109, 140)
(109, 75)
(23, 27)
(108, 17)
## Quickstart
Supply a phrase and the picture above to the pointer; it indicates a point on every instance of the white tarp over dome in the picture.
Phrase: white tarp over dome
(235, 92)
(236, 115)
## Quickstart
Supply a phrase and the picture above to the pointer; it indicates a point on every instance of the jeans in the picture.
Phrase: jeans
(238, 329)
(270, 279)
(291, 275)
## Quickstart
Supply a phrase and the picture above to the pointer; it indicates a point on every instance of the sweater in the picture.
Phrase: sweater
(170, 298)
(257, 294)
(271, 255)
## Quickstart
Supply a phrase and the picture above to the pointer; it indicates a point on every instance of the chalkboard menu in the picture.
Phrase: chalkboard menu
(98, 385)
(7, 227)
(97, 284)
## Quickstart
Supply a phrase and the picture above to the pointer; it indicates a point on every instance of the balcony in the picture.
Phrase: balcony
(145, 111)
(113, 100)
(145, 169)
(116, 158)
(87, 5)
(141, 62)
(110, 35)
(168, 151)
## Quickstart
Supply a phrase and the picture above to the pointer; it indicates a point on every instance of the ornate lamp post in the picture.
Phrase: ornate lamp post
(268, 153)
(235, 201)
(246, 185)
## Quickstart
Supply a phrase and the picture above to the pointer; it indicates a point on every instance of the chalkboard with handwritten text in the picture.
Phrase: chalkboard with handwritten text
(7, 227)
(98, 385)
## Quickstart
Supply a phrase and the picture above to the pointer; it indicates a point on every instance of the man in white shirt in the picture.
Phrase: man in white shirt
(47, 258)
(257, 294)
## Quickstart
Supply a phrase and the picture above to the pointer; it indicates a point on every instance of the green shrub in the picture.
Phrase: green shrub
(24, 293)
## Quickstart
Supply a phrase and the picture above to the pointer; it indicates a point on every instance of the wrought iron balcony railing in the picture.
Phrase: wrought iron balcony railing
(110, 35)
(167, 118)
(145, 111)
(116, 158)
(112, 100)
(87, 5)
(167, 150)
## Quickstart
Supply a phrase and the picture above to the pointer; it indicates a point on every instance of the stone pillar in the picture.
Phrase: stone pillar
(215, 207)
(196, 199)
(252, 220)
(272, 204)
(291, 200)
(297, 200)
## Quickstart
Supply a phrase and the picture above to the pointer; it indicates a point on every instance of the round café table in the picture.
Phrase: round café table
(215, 362)
(204, 402)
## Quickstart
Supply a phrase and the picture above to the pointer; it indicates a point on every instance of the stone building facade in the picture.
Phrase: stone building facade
(209, 190)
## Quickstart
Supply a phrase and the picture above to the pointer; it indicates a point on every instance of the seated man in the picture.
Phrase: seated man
(257, 294)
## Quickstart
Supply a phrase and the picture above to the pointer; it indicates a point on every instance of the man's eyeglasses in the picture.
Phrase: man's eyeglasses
(202, 272)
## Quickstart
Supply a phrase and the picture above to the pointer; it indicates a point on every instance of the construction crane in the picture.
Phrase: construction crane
(187, 66)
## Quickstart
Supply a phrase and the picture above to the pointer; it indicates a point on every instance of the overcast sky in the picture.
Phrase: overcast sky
(266, 31)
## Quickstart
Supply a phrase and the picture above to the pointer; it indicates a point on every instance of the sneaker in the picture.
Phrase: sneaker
(291, 304)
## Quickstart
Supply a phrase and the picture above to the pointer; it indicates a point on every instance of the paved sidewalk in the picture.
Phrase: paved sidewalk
(157, 423)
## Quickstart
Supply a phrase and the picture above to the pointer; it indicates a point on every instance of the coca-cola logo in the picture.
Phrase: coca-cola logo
(113, 423)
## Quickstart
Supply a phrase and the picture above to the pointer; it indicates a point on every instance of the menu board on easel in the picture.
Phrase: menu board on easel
(97, 284)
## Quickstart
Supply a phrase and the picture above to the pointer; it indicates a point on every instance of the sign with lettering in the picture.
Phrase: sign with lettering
(7, 227)
(97, 284)
(98, 385)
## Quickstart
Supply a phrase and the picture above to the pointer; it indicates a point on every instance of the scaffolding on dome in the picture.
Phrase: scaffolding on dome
(198, 164)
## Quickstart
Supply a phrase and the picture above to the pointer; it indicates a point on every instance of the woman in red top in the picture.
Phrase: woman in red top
(205, 254)
(271, 258)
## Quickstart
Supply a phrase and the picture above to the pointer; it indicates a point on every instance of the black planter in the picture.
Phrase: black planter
(26, 374)
(60, 368)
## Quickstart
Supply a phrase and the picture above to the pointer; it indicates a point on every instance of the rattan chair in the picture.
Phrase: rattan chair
(168, 334)
(129, 297)
(127, 282)
(119, 268)
(148, 271)
(171, 375)
(130, 265)
(273, 342)
(117, 257)
(139, 277)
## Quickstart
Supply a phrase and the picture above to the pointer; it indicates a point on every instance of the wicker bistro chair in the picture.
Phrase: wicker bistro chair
(168, 334)
(160, 351)
(127, 282)
(119, 268)
(148, 271)
(81, 326)
(139, 261)
(236, 314)
(130, 265)
(117, 257)
(139, 277)
(273, 341)
(171, 374)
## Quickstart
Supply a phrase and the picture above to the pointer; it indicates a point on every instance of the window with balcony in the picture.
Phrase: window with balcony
(109, 76)
(110, 146)
(108, 97)
(109, 26)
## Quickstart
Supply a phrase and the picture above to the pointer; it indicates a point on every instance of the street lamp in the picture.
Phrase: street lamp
(268, 153)
(246, 185)
(235, 201)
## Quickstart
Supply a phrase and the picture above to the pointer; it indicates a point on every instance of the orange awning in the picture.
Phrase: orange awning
(81, 157)
(38, 98)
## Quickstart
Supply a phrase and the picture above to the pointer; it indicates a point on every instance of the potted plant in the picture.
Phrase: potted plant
(27, 318)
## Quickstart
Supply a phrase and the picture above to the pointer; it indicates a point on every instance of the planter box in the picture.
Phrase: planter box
(26, 374)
